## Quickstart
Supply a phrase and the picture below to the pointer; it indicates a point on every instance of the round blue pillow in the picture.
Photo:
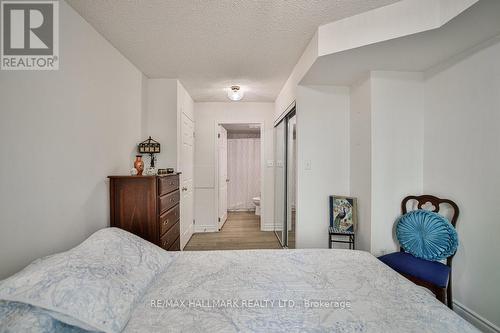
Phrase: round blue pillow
(427, 235)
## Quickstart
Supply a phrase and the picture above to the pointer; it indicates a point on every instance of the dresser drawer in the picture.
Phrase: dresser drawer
(167, 184)
(176, 246)
(169, 238)
(169, 200)
(168, 219)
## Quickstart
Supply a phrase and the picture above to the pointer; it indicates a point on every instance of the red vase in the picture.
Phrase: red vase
(139, 164)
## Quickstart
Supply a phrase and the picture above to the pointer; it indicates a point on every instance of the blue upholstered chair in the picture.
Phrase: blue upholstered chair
(432, 274)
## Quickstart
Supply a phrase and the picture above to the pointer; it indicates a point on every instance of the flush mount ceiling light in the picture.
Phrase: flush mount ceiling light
(235, 93)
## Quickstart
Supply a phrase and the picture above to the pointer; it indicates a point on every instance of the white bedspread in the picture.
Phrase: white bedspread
(288, 291)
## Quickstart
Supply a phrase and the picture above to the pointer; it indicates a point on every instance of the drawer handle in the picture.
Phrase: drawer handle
(171, 183)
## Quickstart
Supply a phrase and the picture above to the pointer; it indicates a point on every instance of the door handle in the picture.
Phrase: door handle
(184, 189)
(227, 180)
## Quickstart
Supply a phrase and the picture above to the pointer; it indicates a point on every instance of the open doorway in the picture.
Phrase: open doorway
(239, 174)
(240, 201)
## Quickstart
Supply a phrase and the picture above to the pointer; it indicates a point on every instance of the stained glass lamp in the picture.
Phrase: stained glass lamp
(151, 147)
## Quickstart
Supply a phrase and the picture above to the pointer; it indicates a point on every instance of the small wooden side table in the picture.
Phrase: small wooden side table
(350, 238)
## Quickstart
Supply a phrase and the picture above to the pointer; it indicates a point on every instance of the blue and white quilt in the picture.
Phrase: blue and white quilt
(94, 286)
(288, 291)
(141, 288)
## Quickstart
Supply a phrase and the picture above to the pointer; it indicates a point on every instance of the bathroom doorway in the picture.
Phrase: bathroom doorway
(240, 201)
(239, 174)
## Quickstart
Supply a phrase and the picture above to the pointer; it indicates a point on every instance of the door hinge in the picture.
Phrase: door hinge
(218, 135)
(194, 221)
(219, 219)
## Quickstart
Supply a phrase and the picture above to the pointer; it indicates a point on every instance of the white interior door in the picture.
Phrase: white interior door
(187, 160)
(222, 149)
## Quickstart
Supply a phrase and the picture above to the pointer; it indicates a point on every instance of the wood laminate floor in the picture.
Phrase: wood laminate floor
(240, 232)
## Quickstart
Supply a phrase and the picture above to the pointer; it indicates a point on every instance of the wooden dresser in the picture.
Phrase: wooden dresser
(147, 206)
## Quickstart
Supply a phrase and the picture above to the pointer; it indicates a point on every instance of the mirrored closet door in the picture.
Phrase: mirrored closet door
(285, 179)
(280, 181)
(291, 179)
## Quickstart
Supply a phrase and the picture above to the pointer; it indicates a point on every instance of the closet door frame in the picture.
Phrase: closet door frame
(263, 207)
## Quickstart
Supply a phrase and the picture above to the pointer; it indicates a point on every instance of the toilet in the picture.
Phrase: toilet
(256, 202)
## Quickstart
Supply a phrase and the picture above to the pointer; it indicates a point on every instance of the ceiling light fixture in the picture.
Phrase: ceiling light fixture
(235, 93)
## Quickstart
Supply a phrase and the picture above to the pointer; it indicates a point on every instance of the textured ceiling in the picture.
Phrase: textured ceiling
(211, 44)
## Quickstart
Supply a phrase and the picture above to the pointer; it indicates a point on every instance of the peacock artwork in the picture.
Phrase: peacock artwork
(342, 213)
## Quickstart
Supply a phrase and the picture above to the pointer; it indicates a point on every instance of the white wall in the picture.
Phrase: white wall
(162, 120)
(61, 133)
(288, 93)
(207, 116)
(166, 100)
(386, 152)
(144, 106)
(361, 158)
(462, 162)
(397, 150)
(322, 142)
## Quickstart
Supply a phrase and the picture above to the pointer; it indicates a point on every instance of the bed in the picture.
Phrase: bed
(115, 281)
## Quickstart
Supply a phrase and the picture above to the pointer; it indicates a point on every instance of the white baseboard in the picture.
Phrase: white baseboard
(183, 238)
(205, 228)
(475, 319)
(266, 227)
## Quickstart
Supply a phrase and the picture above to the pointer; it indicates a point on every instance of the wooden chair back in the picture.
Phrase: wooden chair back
(436, 202)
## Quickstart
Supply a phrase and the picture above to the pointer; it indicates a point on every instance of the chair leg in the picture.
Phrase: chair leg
(441, 294)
